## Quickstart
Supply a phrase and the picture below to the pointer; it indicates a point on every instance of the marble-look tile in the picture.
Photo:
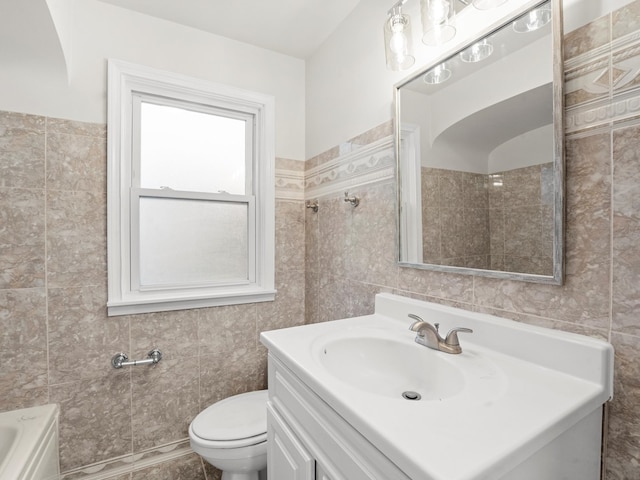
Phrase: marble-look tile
(521, 187)
(290, 235)
(589, 82)
(186, 467)
(451, 188)
(288, 308)
(452, 240)
(22, 238)
(22, 150)
(82, 339)
(333, 299)
(533, 265)
(290, 164)
(626, 275)
(312, 237)
(376, 133)
(475, 190)
(496, 190)
(430, 187)
(165, 401)
(362, 298)
(76, 239)
(223, 330)
(312, 294)
(496, 231)
(436, 284)
(73, 127)
(212, 472)
(23, 343)
(626, 231)
(523, 231)
(431, 235)
(174, 333)
(555, 324)
(322, 158)
(222, 376)
(584, 298)
(623, 452)
(76, 162)
(476, 234)
(334, 229)
(95, 419)
(626, 20)
(370, 237)
(587, 38)
(626, 172)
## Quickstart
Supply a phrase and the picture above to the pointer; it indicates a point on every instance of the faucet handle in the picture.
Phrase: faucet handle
(452, 336)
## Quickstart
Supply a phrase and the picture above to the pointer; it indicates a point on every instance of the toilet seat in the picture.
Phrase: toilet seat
(235, 422)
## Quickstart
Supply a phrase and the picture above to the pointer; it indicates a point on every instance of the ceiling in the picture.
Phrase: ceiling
(292, 27)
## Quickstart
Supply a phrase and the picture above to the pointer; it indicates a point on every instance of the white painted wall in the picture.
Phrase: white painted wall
(92, 31)
(348, 88)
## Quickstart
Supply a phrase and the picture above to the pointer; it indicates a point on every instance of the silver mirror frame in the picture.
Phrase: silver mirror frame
(558, 155)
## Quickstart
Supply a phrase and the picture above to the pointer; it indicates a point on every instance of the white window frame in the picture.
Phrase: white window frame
(126, 82)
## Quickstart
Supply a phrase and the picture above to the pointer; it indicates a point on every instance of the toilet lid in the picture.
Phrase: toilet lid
(234, 418)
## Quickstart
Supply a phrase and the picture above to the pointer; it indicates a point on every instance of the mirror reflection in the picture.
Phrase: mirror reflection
(479, 160)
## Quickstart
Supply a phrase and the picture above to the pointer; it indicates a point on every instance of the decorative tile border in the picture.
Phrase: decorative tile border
(369, 164)
(289, 184)
(130, 463)
(603, 85)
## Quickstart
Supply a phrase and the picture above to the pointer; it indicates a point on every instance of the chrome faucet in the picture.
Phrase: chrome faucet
(429, 336)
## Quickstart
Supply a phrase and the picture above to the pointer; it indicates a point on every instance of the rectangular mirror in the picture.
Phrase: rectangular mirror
(479, 148)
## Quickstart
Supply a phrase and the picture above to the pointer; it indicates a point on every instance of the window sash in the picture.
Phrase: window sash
(125, 81)
(138, 193)
(138, 98)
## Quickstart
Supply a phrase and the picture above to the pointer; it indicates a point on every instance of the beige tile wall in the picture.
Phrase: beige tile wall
(351, 252)
(56, 340)
(492, 221)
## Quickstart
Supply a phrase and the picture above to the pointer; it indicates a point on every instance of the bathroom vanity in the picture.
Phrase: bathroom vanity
(360, 399)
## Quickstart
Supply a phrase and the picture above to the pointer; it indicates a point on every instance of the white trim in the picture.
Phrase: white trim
(411, 192)
(126, 80)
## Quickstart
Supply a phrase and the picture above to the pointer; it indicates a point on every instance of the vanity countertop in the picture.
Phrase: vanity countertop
(523, 386)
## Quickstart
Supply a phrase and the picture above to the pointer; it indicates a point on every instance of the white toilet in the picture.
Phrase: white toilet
(232, 435)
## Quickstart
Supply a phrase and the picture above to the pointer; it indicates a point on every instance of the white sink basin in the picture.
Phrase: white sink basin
(516, 391)
(391, 368)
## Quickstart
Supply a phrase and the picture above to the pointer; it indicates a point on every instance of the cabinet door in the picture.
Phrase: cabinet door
(321, 473)
(287, 459)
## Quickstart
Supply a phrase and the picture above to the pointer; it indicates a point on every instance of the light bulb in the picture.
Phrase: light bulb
(533, 20)
(438, 11)
(439, 74)
(397, 35)
(398, 43)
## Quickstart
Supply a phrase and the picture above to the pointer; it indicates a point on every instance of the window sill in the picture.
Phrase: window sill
(148, 305)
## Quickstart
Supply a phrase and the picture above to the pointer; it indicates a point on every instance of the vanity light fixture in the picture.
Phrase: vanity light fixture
(533, 20)
(438, 21)
(487, 4)
(438, 26)
(397, 39)
(438, 74)
(477, 52)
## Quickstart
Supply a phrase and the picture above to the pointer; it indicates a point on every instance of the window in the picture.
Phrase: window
(191, 193)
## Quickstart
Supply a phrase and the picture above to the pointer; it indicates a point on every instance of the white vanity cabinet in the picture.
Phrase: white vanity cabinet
(359, 399)
(310, 441)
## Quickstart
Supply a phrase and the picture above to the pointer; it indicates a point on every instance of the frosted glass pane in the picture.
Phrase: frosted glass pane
(192, 151)
(191, 242)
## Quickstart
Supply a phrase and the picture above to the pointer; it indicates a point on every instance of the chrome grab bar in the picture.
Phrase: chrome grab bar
(120, 360)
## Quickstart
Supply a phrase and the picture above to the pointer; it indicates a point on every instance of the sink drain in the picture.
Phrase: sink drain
(409, 395)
